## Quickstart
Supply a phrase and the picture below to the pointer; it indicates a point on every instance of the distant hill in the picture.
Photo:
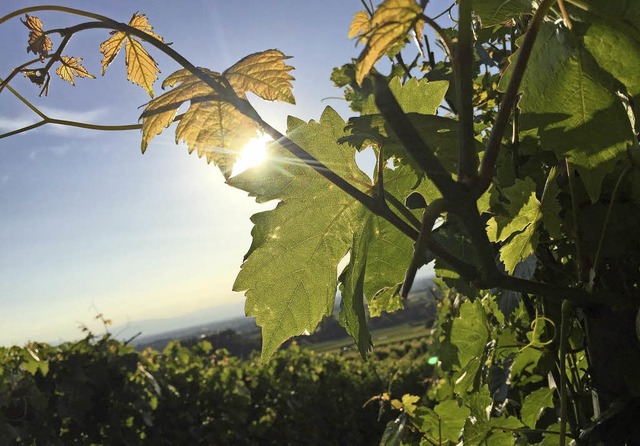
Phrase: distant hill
(226, 327)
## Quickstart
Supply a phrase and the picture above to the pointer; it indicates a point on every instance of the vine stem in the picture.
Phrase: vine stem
(567, 312)
(463, 64)
(490, 157)
(48, 120)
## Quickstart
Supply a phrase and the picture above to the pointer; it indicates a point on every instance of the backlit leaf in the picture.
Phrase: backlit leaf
(212, 126)
(414, 96)
(70, 68)
(360, 25)
(289, 275)
(141, 68)
(39, 42)
(518, 227)
(390, 23)
(264, 74)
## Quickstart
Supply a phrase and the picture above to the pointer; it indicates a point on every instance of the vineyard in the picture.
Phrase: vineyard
(101, 391)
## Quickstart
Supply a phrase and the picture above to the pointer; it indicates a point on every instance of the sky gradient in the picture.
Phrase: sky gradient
(89, 225)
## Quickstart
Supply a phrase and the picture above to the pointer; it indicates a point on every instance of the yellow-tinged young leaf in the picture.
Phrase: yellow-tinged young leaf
(161, 111)
(213, 127)
(141, 68)
(360, 26)
(264, 74)
(110, 49)
(70, 68)
(389, 25)
(39, 42)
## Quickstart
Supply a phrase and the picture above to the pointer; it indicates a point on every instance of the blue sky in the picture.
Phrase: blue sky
(90, 225)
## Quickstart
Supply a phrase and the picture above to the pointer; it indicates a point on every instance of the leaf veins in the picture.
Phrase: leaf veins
(141, 68)
(70, 68)
(212, 126)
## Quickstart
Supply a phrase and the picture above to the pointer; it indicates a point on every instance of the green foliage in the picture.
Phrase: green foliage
(545, 98)
(100, 391)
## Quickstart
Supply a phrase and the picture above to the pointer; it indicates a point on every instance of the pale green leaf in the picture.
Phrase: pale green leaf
(519, 247)
(518, 226)
(289, 275)
(452, 418)
(390, 251)
(414, 96)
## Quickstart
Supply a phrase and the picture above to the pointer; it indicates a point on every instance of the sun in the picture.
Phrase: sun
(252, 154)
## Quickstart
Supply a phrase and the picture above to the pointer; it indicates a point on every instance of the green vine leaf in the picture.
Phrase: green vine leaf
(289, 274)
(518, 226)
(469, 333)
(534, 404)
(352, 311)
(414, 96)
(495, 12)
(442, 424)
(569, 99)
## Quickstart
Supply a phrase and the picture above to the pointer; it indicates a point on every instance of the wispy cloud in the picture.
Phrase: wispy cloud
(9, 124)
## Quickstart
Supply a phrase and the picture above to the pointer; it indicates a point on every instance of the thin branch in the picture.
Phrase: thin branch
(17, 70)
(463, 69)
(23, 129)
(506, 105)
(446, 40)
(26, 102)
(565, 14)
